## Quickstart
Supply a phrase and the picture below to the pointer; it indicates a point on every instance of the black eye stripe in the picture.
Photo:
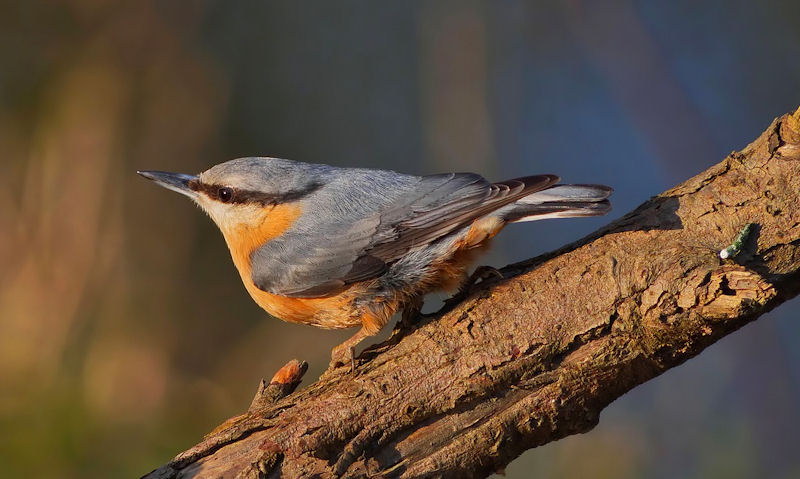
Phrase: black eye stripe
(247, 196)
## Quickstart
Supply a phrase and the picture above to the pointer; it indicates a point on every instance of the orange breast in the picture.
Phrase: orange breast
(263, 225)
(260, 225)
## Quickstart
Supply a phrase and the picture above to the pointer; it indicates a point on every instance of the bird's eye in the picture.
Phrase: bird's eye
(225, 194)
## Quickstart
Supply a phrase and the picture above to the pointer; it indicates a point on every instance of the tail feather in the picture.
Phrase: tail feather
(565, 193)
(561, 201)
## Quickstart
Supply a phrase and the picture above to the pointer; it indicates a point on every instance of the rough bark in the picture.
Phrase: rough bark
(535, 357)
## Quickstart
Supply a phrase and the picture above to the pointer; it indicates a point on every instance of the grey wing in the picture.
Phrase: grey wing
(327, 254)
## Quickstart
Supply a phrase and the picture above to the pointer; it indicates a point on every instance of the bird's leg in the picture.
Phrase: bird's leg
(481, 273)
(411, 312)
(345, 352)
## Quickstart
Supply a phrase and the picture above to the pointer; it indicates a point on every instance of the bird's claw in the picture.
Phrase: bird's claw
(341, 355)
(481, 273)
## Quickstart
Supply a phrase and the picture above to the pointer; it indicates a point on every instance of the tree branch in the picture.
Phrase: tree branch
(536, 357)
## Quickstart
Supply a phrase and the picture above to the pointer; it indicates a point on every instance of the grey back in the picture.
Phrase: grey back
(360, 221)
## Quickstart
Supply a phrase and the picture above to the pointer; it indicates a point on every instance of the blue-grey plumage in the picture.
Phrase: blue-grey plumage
(342, 247)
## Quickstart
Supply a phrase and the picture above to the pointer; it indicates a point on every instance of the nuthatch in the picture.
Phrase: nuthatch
(344, 247)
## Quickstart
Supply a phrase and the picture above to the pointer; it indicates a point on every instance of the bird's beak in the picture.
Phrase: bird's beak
(178, 182)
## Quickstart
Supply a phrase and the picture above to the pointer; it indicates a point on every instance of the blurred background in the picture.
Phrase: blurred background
(125, 333)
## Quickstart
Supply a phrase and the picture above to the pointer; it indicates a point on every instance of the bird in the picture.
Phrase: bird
(338, 247)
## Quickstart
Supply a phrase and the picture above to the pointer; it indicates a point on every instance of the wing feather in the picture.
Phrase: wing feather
(321, 261)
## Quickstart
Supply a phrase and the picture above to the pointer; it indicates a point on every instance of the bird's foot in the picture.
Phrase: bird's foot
(341, 355)
(481, 274)
(411, 313)
(346, 352)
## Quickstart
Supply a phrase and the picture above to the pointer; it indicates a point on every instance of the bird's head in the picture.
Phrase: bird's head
(245, 195)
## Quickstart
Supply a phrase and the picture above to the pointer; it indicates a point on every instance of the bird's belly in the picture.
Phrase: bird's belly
(333, 312)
